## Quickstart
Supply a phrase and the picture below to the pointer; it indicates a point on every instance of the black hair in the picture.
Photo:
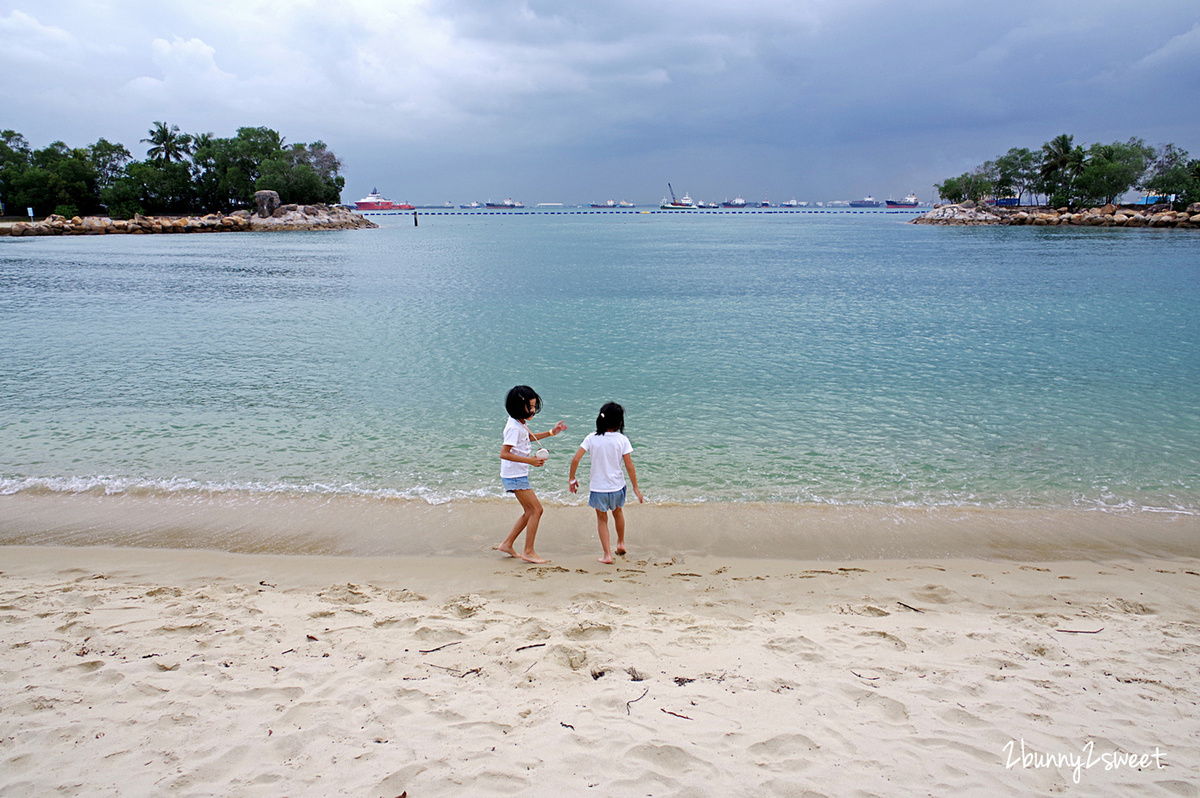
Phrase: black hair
(517, 402)
(611, 419)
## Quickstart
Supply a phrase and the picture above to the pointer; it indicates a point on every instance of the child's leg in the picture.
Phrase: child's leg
(528, 522)
(619, 523)
(602, 529)
(533, 514)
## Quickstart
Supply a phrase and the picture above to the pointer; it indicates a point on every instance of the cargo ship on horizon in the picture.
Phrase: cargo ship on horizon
(910, 201)
(377, 202)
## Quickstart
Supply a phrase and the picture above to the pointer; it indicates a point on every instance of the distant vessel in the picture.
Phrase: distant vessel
(377, 202)
(626, 204)
(506, 205)
(910, 201)
(471, 206)
(792, 203)
(609, 204)
(765, 204)
(673, 204)
(866, 202)
(736, 202)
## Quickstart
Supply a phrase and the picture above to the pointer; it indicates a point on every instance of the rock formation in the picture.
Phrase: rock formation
(968, 213)
(285, 217)
(266, 202)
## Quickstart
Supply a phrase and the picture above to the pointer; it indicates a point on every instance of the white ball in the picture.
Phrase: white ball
(542, 454)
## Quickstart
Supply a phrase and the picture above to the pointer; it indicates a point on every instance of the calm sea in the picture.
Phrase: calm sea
(805, 359)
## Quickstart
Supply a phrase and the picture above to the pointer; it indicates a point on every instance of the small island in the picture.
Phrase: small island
(1081, 186)
(189, 183)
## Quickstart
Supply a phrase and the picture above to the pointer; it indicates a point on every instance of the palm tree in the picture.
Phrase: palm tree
(168, 143)
(1062, 162)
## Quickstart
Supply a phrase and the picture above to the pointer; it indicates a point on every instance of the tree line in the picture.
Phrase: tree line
(183, 173)
(1072, 175)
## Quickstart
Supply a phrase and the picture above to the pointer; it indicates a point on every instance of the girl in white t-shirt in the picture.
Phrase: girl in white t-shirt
(608, 448)
(516, 456)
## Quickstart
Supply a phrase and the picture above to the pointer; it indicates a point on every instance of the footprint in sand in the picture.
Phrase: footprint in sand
(343, 594)
(887, 637)
(588, 630)
(861, 609)
(465, 606)
(936, 594)
(793, 750)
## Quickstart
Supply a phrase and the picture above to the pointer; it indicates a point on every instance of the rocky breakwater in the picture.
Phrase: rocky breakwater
(270, 215)
(101, 225)
(309, 217)
(968, 213)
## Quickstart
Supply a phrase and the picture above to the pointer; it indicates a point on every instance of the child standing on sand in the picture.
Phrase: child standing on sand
(522, 404)
(608, 447)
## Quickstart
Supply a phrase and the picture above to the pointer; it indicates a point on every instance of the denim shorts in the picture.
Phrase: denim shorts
(512, 484)
(606, 501)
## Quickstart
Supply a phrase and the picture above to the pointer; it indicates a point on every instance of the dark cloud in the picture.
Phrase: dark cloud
(551, 101)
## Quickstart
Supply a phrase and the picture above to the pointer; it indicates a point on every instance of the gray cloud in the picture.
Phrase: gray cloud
(548, 101)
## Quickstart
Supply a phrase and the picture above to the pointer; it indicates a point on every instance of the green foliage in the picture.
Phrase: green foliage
(168, 144)
(1062, 163)
(303, 174)
(182, 173)
(1173, 173)
(969, 186)
(1112, 169)
(1017, 173)
(109, 160)
(164, 187)
(122, 199)
(1072, 175)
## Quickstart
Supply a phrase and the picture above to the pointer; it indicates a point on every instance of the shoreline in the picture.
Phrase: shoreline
(130, 671)
(352, 526)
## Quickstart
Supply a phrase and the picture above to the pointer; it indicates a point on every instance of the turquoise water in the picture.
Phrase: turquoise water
(782, 358)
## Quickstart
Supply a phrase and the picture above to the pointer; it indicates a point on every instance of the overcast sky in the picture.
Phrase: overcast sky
(571, 101)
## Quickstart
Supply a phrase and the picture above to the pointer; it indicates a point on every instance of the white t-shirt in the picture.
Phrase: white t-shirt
(516, 435)
(607, 452)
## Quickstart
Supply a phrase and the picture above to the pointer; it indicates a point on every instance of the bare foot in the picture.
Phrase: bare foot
(506, 549)
(620, 551)
(605, 559)
(533, 558)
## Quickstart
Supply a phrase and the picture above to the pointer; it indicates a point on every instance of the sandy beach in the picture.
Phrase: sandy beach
(141, 672)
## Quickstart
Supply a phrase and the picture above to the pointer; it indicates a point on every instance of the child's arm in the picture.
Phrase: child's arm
(572, 483)
(506, 453)
(633, 476)
(559, 427)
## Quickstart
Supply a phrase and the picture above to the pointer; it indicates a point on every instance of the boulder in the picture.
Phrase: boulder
(267, 202)
(1193, 209)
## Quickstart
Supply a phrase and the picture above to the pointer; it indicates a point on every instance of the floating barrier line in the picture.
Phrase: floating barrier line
(696, 212)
